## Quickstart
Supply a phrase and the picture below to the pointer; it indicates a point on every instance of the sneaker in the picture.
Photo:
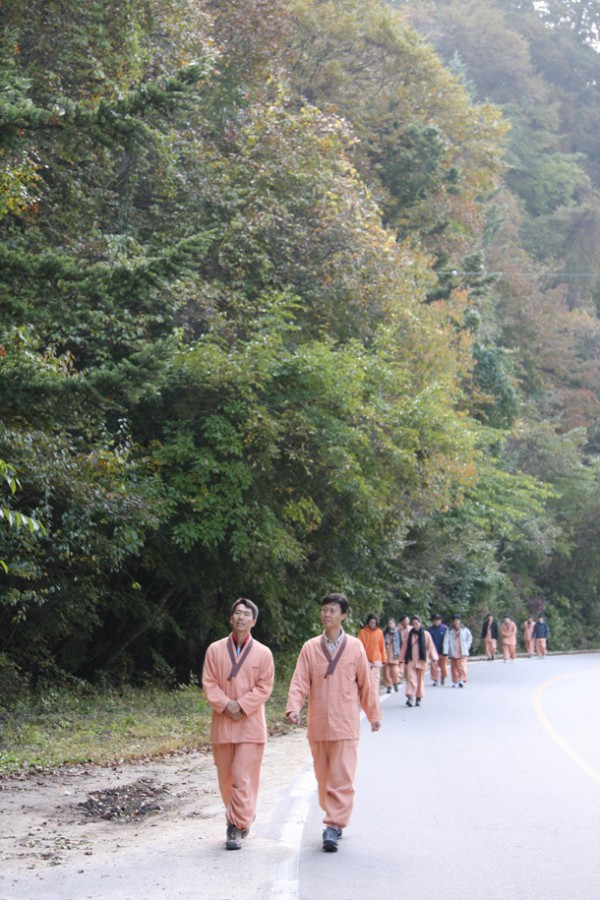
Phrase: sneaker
(331, 836)
(460, 684)
(434, 684)
(234, 838)
(408, 701)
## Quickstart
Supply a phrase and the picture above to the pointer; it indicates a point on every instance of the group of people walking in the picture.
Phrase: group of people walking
(339, 675)
(535, 636)
(407, 650)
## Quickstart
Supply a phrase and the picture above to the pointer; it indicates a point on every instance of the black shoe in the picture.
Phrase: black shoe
(408, 701)
(396, 688)
(331, 836)
(418, 701)
(234, 838)
(389, 690)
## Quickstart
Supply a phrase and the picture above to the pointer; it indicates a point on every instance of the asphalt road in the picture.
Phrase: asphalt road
(485, 793)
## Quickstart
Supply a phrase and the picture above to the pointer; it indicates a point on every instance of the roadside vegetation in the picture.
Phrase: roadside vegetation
(295, 296)
(79, 724)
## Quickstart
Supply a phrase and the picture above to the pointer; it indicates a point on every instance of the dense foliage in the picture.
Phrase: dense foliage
(295, 295)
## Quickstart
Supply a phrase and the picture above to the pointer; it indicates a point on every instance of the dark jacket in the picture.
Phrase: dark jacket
(541, 630)
(437, 632)
(493, 626)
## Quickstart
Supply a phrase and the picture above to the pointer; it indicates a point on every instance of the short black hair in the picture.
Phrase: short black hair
(251, 606)
(338, 598)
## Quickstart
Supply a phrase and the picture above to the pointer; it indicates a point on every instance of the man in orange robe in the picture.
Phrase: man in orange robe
(393, 644)
(237, 679)
(489, 634)
(333, 672)
(508, 630)
(528, 639)
(372, 639)
(457, 645)
(541, 633)
(417, 652)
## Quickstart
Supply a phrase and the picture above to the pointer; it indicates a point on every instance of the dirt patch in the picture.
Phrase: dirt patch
(125, 803)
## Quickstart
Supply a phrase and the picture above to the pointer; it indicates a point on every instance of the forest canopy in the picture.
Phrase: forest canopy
(296, 295)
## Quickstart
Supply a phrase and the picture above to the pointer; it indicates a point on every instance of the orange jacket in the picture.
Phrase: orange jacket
(251, 687)
(373, 641)
(333, 701)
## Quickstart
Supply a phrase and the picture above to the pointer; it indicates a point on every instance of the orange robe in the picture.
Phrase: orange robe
(508, 630)
(391, 670)
(528, 637)
(373, 641)
(334, 717)
(415, 668)
(238, 747)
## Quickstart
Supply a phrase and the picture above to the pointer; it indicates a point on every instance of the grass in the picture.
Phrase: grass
(73, 726)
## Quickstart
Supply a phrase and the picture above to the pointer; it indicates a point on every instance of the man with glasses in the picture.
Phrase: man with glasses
(237, 679)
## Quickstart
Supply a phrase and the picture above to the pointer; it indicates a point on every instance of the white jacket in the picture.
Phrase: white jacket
(451, 646)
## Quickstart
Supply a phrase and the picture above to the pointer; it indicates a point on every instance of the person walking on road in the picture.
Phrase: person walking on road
(371, 637)
(489, 634)
(508, 630)
(237, 679)
(332, 670)
(457, 645)
(541, 633)
(439, 667)
(528, 638)
(417, 652)
(403, 628)
(393, 643)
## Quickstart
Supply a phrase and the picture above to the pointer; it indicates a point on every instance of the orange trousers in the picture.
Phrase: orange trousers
(391, 674)
(509, 651)
(458, 668)
(491, 645)
(439, 668)
(540, 646)
(415, 680)
(335, 767)
(238, 771)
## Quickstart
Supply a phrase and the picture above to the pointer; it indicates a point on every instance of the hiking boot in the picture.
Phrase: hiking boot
(331, 836)
(234, 838)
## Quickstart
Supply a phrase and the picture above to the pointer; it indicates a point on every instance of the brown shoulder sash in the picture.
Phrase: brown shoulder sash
(237, 662)
(332, 660)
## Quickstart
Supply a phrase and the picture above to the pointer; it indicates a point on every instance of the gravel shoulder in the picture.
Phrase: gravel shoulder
(143, 829)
